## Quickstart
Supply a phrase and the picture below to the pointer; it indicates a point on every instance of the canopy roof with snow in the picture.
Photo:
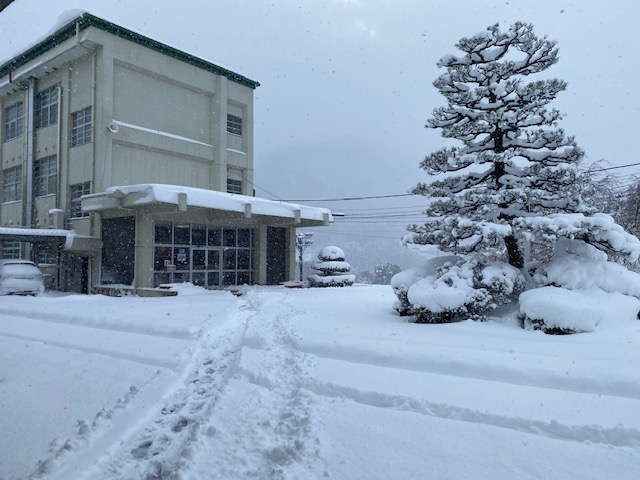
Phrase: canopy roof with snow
(140, 195)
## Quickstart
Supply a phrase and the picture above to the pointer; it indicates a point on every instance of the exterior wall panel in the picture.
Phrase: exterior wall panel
(131, 165)
(154, 102)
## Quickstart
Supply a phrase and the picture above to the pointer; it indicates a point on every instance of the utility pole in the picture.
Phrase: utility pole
(303, 241)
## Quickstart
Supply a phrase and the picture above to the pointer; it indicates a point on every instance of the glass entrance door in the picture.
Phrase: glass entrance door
(213, 267)
(205, 267)
(199, 266)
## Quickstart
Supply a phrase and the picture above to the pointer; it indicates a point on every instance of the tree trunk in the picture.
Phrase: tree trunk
(513, 252)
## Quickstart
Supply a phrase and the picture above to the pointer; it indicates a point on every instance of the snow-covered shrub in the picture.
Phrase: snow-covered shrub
(384, 272)
(334, 271)
(402, 281)
(447, 289)
(579, 289)
(561, 311)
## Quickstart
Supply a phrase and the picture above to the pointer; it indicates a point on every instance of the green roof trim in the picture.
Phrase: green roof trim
(87, 20)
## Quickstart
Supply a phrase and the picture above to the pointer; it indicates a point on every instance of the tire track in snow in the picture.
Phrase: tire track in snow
(158, 447)
(91, 322)
(618, 436)
(135, 347)
(442, 364)
(263, 428)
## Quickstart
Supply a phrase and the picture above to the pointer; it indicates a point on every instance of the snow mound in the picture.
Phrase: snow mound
(579, 290)
(558, 310)
(331, 253)
(332, 266)
(340, 280)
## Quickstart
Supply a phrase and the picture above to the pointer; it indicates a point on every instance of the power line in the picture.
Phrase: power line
(349, 198)
(358, 235)
(621, 166)
(373, 215)
(385, 208)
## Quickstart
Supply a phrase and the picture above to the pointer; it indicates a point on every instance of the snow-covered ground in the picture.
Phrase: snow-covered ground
(303, 384)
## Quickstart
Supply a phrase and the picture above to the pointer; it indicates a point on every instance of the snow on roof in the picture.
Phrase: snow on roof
(145, 194)
(70, 21)
(34, 232)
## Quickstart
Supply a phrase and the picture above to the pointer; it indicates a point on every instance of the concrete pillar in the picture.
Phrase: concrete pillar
(261, 256)
(143, 276)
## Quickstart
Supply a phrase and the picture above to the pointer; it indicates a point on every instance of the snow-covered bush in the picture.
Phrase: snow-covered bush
(451, 288)
(579, 289)
(334, 271)
(561, 311)
(401, 282)
(384, 272)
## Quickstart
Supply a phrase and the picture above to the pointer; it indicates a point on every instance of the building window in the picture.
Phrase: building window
(234, 124)
(47, 255)
(234, 186)
(10, 249)
(75, 192)
(81, 127)
(13, 121)
(45, 176)
(45, 110)
(12, 190)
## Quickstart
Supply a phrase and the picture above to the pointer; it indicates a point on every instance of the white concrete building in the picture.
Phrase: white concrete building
(127, 161)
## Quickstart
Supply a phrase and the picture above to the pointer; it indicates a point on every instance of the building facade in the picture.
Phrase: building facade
(127, 161)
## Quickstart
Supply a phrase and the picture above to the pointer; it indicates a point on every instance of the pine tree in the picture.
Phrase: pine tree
(514, 160)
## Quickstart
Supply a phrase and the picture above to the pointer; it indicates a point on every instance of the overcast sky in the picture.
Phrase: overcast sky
(346, 85)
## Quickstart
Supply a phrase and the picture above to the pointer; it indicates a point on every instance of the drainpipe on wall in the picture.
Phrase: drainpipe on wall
(59, 146)
(28, 186)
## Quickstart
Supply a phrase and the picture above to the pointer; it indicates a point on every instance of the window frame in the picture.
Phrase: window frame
(10, 250)
(45, 107)
(81, 128)
(234, 186)
(13, 122)
(48, 178)
(234, 124)
(12, 192)
(76, 191)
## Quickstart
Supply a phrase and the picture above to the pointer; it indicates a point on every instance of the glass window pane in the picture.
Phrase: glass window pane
(213, 279)
(244, 237)
(198, 279)
(161, 255)
(214, 238)
(213, 260)
(199, 235)
(182, 234)
(229, 278)
(229, 237)
(160, 278)
(181, 258)
(229, 259)
(244, 278)
(244, 259)
(163, 233)
(198, 259)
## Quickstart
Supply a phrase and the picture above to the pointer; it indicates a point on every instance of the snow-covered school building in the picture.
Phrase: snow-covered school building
(126, 161)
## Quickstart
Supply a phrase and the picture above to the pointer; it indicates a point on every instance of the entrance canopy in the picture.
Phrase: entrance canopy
(132, 196)
(65, 238)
